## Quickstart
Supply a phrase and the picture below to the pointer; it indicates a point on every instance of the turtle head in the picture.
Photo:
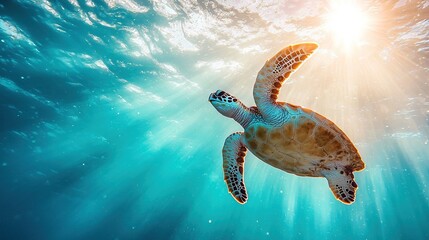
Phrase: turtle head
(225, 103)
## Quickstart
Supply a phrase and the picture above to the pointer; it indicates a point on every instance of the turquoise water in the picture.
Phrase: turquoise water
(106, 131)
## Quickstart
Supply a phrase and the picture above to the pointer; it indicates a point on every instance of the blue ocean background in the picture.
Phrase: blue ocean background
(106, 131)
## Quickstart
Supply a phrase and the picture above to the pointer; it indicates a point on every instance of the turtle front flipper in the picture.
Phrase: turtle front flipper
(233, 154)
(342, 184)
(274, 73)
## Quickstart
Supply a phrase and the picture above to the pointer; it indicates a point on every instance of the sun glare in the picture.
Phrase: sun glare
(347, 22)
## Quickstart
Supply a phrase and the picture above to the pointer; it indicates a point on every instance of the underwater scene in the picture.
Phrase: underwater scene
(114, 115)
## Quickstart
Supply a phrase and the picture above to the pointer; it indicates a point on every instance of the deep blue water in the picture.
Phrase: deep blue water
(106, 131)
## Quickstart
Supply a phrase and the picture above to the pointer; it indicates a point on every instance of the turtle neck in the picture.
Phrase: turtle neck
(242, 115)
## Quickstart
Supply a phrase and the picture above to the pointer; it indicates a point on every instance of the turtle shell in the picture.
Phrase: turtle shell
(304, 144)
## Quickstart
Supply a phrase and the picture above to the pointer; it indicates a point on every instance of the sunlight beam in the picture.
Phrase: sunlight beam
(347, 22)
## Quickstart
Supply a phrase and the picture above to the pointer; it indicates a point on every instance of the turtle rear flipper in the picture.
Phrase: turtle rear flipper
(342, 184)
(233, 154)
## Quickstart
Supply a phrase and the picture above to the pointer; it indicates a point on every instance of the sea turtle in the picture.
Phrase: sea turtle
(289, 137)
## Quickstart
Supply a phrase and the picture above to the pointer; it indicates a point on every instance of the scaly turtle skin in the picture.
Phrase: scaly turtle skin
(288, 137)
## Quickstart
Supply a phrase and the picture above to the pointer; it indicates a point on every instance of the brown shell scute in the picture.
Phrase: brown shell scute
(261, 133)
(334, 146)
(323, 136)
(304, 129)
(288, 131)
(276, 136)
